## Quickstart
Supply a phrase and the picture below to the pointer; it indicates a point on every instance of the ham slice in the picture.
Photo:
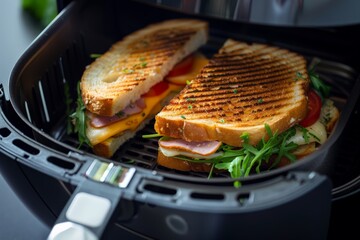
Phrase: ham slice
(203, 148)
(102, 121)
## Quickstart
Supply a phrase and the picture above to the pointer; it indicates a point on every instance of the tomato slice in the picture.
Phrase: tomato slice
(157, 89)
(314, 109)
(182, 67)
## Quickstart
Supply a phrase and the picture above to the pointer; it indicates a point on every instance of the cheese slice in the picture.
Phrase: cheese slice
(317, 133)
(97, 135)
(175, 152)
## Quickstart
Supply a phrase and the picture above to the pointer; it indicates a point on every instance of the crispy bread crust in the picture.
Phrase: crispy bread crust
(210, 108)
(108, 147)
(139, 61)
(180, 165)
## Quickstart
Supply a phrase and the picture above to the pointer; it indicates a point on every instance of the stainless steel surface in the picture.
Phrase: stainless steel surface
(272, 12)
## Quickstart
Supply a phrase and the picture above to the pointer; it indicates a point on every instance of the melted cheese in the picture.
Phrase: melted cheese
(176, 152)
(317, 129)
(97, 135)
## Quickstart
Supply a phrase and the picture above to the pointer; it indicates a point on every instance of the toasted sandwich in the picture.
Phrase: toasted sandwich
(115, 87)
(238, 112)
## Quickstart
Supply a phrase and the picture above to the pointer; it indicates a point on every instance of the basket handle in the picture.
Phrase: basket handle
(93, 205)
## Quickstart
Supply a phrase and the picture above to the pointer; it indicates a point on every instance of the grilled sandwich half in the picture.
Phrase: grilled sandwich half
(137, 62)
(113, 85)
(243, 87)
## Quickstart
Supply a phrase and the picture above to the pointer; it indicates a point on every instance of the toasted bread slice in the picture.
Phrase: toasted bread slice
(180, 165)
(108, 147)
(242, 88)
(139, 61)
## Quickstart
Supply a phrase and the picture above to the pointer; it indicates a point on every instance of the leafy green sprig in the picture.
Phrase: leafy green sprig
(318, 85)
(79, 120)
(240, 162)
(154, 135)
(95, 55)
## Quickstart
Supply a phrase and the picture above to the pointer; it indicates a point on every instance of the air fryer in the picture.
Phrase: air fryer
(147, 200)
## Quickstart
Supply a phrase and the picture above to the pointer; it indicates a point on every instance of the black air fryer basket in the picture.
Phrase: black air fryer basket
(162, 203)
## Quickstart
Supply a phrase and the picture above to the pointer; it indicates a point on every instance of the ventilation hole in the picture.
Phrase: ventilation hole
(26, 147)
(137, 146)
(208, 196)
(128, 161)
(154, 151)
(136, 162)
(159, 189)
(156, 144)
(61, 163)
(4, 132)
(132, 154)
(243, 198)
(143, 165)
(148, 158)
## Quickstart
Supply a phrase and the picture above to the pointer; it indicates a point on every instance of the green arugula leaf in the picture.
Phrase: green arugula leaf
(95, 55)
(79, 120)
(317, 84)
(240, 162)
(233, 167)
(284, 149)
(154, 135)
(237, 184)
